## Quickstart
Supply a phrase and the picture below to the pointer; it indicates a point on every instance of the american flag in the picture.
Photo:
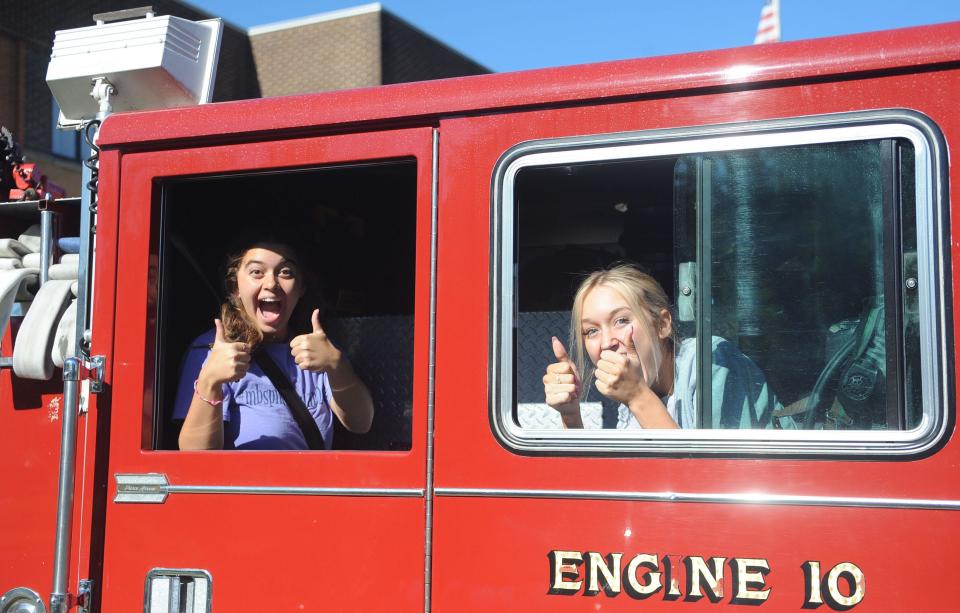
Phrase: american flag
(768, 30)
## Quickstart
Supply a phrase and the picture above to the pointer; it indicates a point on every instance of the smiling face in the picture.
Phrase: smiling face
(269, 286)
(607, 322)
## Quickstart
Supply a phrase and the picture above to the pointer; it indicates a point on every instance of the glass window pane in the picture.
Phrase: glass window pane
(803, 279)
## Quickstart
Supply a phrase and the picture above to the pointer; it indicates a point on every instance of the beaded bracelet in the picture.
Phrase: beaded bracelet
(213, 403)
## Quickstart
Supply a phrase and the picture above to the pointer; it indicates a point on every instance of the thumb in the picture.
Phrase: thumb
(634, 354)
(315, 320)
(632, 344)
(559, 351)
(219, 336)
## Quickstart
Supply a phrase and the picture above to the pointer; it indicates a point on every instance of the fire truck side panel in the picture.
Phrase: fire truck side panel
(254, 538)
(94, 427)
(781, 539)
(30, 419)
(481, 542)
(31, 434)
(279, 553)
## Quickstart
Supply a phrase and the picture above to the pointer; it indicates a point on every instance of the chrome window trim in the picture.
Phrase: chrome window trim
(752, 498)
(931, 223)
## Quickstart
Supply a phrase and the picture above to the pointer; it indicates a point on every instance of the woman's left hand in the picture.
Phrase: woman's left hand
(314, 351)
(621, 377)
(351, 401)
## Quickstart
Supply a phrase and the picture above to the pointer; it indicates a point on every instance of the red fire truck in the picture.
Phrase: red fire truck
(793, 199)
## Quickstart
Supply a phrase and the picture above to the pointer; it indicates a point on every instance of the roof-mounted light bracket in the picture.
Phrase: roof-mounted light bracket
(150, 61)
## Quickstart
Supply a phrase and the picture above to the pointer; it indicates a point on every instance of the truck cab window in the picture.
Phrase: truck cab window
(806, 274)
(344, 240)
(788, 275)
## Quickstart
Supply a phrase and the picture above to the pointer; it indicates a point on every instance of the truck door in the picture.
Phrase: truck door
(783, 233)
(341, 529)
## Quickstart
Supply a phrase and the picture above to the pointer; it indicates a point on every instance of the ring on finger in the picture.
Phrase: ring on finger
(558, 378)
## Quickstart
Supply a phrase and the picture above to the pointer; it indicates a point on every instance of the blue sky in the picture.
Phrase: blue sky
(507, 35)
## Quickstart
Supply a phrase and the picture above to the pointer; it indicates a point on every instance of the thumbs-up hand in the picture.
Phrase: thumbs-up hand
(561, 383)
(227, 362)
(314, 351)
(622, 376)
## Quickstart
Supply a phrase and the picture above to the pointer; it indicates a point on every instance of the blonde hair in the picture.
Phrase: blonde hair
(643, 295)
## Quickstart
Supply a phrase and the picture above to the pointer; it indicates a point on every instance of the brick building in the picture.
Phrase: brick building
(356, 47)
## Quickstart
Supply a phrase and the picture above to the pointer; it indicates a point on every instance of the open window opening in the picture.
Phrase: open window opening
(354, 228)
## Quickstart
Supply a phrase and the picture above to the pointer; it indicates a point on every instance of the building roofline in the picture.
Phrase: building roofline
(363, 9)
(433, 38)
(226, 22)
(373, 7)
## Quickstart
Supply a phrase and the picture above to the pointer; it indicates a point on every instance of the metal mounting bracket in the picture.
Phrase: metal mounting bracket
(85, 596)
(95, 372)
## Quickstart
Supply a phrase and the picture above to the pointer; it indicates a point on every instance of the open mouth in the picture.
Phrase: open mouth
(270, 310)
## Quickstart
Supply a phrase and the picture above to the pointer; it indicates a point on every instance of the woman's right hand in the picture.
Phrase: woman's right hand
(561, 386)
(226, 362)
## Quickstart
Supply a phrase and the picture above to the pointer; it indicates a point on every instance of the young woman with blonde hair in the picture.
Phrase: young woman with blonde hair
(622, 336)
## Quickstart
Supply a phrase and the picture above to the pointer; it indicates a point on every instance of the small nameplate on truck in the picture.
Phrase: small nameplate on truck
(149, 488)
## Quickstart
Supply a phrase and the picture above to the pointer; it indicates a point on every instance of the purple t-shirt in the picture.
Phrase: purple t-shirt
(254, 414)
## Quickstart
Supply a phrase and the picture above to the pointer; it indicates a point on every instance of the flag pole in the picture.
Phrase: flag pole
(768, 29)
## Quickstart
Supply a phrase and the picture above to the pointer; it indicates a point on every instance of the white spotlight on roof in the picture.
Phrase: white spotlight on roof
(149, 63)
